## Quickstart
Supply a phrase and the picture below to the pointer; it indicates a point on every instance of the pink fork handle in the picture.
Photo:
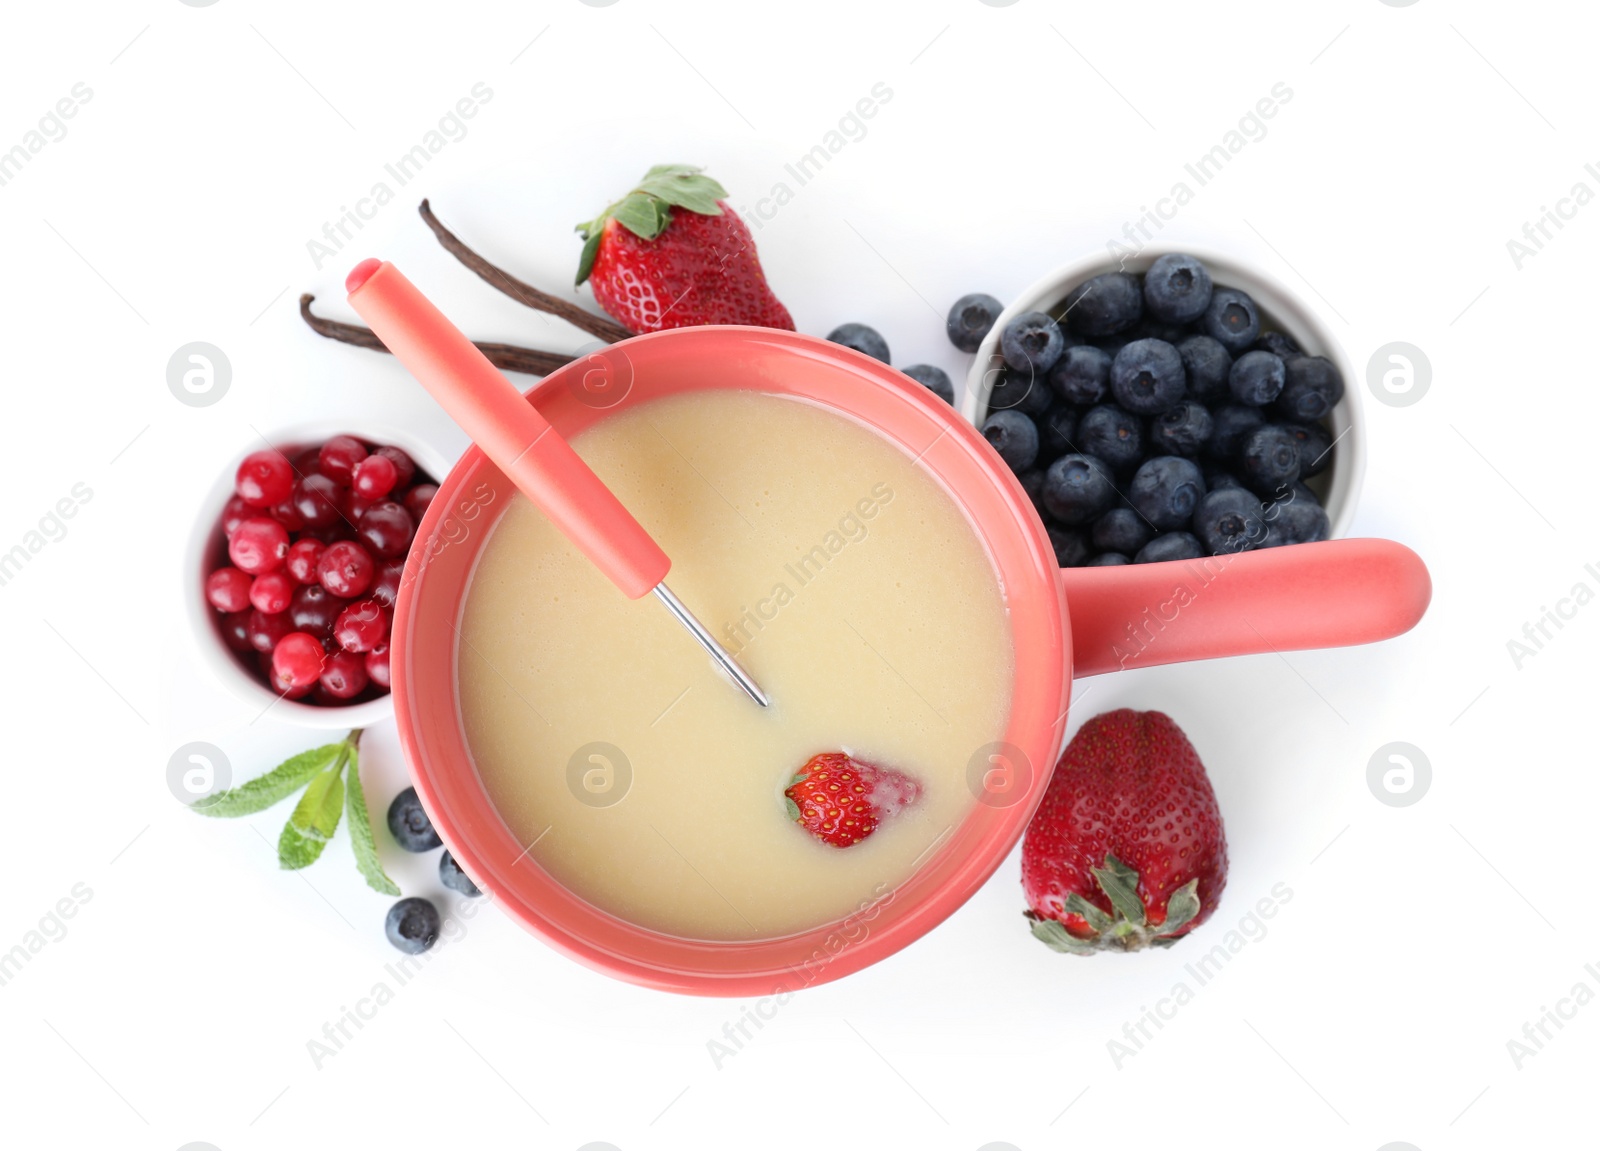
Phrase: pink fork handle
(1330, 594)
(509, 429)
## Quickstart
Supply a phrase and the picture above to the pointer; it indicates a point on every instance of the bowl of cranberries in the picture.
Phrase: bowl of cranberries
(296, 564)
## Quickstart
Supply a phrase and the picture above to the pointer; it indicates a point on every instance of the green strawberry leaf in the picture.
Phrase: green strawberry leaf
(664, 170)
(688, 190)
(265, 790)
(296, 851)
(591, 249)
(367, 862)
(1078, 905)
(642, 215)
(1182, 906)
(1056, 937)
(792, 808)
(316, 816)
(1121, 885)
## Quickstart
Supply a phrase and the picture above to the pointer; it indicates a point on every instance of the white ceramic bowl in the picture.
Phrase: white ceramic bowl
(208, 549)
(1339, 485)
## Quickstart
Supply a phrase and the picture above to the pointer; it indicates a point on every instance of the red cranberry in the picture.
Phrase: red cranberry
(288, 514)
(283, 687)
(266, 630)
(346, 569)
(416, 501)
(386, 588)
(236, 630)
(344, 675)
(228, 589)
(258, 545)
(317, 498)
(301, 562)
(270, 593)
(234, 513)
(339, 457)
(361, 626)
(374, 477)
(404, 467)
(297, 659)
(314, 609)
(378, 666)
(264, 478)
(386, 528)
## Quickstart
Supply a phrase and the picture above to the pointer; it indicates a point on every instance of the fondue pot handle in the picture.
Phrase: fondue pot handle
(1331, 594)
(509, 429)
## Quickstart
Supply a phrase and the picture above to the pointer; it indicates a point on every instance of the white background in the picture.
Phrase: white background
(1418, 940)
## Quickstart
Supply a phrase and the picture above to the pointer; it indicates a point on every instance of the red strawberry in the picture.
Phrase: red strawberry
(1127, 848)
(841, 800)
(672, 254)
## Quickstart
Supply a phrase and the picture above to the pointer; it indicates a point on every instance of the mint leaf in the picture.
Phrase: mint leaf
(296, 851)
(317, 814)
(265, 790)
(367, 862)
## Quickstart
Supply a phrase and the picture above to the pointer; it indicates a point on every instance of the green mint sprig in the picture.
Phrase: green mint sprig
(329, 793)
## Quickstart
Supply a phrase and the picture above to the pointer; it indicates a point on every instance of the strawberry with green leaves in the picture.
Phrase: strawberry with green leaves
(672, 254)
(1126, 850)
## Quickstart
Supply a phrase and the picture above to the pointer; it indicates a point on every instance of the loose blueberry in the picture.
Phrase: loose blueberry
(1147, 377)
(1311, 387)
(1165, 491)
(1206, 364)
(1295, 521)
(1232, 320)
(1229, 521)
(412, 925)
(1077, 488)
(1109, 303)
(1148, 329)
(1032, 343)
(1181, 430)
(1279, 344)
(451, 875)
(1269, 459)
(1072, 550)
(1315, 448)
(1169, 547)
(1032, 482)
(970, 319)
(936, 380)
(1082, 375)
(1219, 477)
(1023, 391)
(1256, 378)
(409, 823)
(1014, 436)
(1177, 289)
(1120, 530)
(1112, 435)
(863, 339)
(1108, 560)
(1057, 427)
(1229, 426)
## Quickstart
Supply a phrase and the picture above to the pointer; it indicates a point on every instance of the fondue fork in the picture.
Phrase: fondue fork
(531, 453)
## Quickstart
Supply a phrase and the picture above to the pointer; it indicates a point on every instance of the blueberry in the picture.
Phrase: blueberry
(1172, 546)
(1108, 433)
(1181, 430)
(1165, 491)
(1256, 378)
(936, 380)
(863, 339)
(1148, 329)
(1108, 560)
(1228, 521)
(1177, 289)
(1232, 320)
(970, 319)
(1218, 477)
(1109, 303)
(1279, 344)
(1147, 377)
(410, 825)
(412, 925)
(1022, 391)
(1072, 550)
(451, 875)
(1032, 482)
(1229, 426)
(1206, 363)
(1120, 530)
(1082, 375)
(1057, 427)
(1269, 458)
(1014, 436)
(1315, 448)
(1077, 488)
(1032, 343)
(1311, 388)
(1295, 521)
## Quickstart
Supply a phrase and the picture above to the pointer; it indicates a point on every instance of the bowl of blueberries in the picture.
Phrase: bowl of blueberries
(1170, 407)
